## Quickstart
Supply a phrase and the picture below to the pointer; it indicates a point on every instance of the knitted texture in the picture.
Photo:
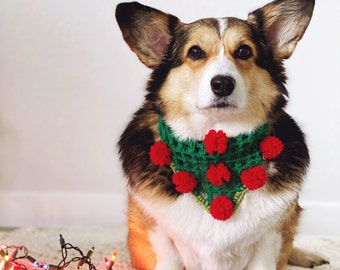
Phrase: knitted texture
(219, 168)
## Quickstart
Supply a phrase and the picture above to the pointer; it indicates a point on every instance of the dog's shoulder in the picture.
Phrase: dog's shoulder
(134, 149)
(292, 164)
(138, 136)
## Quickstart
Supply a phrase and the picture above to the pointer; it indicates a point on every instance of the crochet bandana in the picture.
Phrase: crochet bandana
(219, 170)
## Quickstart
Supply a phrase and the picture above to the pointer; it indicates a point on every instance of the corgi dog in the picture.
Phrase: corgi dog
(214, 165)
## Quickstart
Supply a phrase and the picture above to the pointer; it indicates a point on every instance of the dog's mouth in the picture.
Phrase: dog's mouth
(221, 105)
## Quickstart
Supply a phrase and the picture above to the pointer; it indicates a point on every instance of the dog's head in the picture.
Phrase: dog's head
(216, 73)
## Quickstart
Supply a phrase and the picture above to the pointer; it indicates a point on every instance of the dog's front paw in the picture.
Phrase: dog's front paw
(308, 259)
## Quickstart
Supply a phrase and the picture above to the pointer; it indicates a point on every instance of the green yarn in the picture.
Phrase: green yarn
(242, 153)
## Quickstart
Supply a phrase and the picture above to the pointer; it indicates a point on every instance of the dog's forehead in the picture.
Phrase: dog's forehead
(219, 27)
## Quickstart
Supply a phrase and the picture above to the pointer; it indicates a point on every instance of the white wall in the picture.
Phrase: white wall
(68, 85)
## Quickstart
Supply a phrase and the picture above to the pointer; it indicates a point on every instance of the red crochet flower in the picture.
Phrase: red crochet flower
(221, 208)
(215, 142)
(271, 147)
(254, 177)
(160, 154)
(216, 174)
(185, 182)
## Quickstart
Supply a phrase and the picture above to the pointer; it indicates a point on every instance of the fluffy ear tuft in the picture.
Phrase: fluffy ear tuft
(283, 23)
(146, 30)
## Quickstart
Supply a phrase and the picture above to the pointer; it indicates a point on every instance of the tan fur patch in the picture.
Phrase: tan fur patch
(207, 38)
(142, 255)
(288, 230)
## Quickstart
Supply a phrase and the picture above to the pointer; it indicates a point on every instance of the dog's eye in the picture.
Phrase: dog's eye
(243, 52)
(196, 53)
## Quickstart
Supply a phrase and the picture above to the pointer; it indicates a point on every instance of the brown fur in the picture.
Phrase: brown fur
(288, 231)
(142, 256)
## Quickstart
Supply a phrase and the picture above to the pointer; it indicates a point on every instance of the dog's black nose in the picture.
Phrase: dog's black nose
(222, 85)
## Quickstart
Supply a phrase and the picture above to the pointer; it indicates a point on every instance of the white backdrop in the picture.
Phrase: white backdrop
(69, 84)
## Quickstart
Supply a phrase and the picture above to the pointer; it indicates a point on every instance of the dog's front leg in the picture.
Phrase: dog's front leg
(266, 252)
(166, 253)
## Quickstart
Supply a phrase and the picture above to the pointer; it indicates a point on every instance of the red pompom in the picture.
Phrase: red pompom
(160, 154)
(221, 208)
(254, 177)
(215, 142)
(271, 147)
(216, 174)
(185, 182)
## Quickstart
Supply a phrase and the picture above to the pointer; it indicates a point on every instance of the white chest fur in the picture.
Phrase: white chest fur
(206, 243)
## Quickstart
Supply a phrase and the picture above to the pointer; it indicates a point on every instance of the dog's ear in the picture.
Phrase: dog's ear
(146, 30)
(283, 23)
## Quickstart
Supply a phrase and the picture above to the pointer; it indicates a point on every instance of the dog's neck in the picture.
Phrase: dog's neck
(195, 126)
(202, 160)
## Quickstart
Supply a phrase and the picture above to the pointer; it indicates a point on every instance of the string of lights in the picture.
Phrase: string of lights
(12, 257)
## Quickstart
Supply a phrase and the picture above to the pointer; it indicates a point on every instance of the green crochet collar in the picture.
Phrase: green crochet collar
(219, 170)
